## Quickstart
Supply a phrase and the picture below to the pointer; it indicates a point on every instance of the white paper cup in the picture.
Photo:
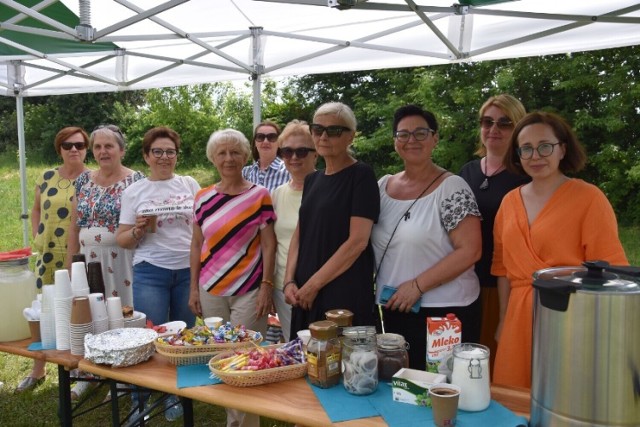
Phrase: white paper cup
(78, 276)
(305, 336)
(48, 296)
(114, 309)
(62, 283)
(213, 322)
(98, 307)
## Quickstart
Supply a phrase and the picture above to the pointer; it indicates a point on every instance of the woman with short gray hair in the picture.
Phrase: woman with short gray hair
(233, 246)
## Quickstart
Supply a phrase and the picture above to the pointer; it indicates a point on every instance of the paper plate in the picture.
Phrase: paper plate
(172, 328)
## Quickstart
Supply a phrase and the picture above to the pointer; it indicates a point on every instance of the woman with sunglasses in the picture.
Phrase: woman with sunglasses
(96, 212)
(552, 221)
(490, 181)
(50, 219)
(426, 240)
(267, 169)
(330, 261)
(156, 222)
(297, 150)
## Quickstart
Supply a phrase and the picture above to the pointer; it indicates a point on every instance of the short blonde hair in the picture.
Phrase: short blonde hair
(296, 128)
(228, 135)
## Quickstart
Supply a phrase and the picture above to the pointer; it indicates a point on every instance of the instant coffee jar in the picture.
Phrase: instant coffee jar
(323, 354)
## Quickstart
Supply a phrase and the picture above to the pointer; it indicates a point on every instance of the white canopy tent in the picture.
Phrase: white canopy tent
(50, 47)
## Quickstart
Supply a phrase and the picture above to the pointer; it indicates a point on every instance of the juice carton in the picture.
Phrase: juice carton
(443, 333)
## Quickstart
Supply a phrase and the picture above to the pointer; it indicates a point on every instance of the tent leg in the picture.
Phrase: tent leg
(23, 170)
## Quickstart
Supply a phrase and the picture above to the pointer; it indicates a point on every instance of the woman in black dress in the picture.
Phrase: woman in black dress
(330, 263)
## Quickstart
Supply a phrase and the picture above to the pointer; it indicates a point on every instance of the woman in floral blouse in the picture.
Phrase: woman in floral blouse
(426, 240)
(96, 213)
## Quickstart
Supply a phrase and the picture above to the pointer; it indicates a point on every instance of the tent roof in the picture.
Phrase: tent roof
(138, 44)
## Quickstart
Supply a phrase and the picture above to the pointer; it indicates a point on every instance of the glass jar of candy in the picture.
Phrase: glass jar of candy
(392, 355)
(323, 354)
(359, 360)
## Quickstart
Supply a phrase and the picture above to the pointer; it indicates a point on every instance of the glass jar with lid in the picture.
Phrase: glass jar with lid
(359, 360)
(392, 355)
(323, 354)
(342, 317)
(18, 290)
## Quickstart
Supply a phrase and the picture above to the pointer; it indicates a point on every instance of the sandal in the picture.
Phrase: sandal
(28, 383)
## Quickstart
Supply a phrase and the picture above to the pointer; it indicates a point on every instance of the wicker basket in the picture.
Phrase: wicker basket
(263, 376)
(198, 354)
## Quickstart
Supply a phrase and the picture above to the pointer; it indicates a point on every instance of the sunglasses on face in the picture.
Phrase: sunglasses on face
(69, 145)
(271, 137)
(301, 153)
(333, 130)
(158, 152)
(502, 124)
(544, 150)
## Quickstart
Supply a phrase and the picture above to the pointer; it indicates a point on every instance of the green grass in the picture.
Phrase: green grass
(39, 407)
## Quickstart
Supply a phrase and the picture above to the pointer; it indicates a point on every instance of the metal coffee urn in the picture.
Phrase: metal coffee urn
(586, 346)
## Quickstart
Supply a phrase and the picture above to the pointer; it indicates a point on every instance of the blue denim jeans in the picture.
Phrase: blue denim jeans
(162, 294)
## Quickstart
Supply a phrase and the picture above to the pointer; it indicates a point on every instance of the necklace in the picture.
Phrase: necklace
(485, 184)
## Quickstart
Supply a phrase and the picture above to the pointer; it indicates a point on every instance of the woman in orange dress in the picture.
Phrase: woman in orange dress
(552, 221)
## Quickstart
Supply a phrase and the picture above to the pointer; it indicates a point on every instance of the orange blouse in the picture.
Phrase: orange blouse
(576, 224)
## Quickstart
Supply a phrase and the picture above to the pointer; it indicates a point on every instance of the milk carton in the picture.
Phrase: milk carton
(443, 333)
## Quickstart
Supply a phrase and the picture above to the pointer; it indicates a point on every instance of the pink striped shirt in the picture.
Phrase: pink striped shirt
(231, 256)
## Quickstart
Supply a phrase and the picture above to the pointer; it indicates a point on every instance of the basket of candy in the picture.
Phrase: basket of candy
(260, 365)
(198, 344)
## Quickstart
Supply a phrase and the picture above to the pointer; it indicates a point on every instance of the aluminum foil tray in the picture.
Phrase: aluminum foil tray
(120, 347)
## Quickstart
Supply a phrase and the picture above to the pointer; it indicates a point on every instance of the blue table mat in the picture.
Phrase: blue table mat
(34, 346)
(194, 376)
(342, 406)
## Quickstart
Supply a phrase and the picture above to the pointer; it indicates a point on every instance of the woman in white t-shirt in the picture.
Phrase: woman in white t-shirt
(295, 147)
(156, 220)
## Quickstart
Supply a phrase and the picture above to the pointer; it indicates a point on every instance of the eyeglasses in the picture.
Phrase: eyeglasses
(271, 137)
(67, 145)
(502, 124)
(301, 153)
(158, 152)
(420, 134)
(544, 150)
(333, 130)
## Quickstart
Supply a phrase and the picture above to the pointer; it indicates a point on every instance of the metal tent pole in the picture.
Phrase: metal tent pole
(23, 168)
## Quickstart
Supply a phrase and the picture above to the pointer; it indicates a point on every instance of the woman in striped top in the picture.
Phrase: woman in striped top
(233, 246)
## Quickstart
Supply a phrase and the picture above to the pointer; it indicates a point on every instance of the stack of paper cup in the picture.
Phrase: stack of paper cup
(62, 308)
(98, 313)
(63, 318)
(48, 318)
(114, 312)
(79, 283)
(63, 284)
(80, 324)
